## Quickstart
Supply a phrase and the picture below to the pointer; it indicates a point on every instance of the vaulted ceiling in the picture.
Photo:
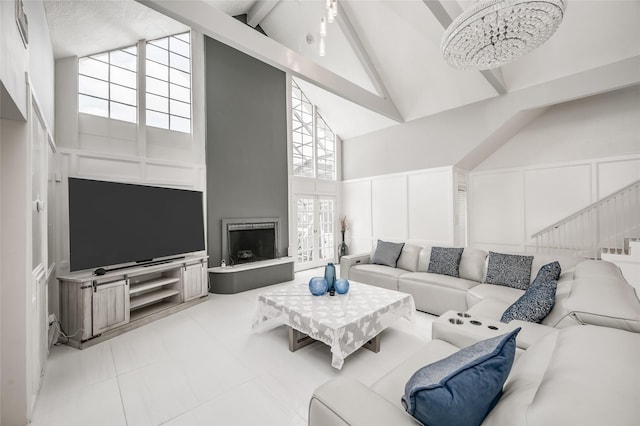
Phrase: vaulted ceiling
(383, 63)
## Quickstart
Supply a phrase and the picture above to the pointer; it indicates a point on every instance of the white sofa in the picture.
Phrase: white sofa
(588, 292)
(582, 375)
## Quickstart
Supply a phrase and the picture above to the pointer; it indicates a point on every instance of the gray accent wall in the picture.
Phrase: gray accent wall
(246, 143)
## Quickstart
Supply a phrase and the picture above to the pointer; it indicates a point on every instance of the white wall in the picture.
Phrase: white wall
(450, 137)
(13, 65)
(41, 62)
(415, 207)
(571, 156)
(596, 127)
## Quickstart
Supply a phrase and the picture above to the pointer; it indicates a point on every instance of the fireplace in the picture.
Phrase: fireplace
(249, 240)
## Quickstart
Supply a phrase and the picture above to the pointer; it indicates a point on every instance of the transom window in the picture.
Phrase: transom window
(168, 82)
(314, 143)
(107, 84)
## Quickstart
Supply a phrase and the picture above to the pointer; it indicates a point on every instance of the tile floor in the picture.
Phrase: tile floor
(203, 366)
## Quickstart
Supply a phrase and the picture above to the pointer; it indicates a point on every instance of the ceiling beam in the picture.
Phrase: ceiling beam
(259, 11)
(354, 40)
(493, 77)
(214, 23)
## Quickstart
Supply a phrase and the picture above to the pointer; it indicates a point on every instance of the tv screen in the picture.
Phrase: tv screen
(114, 223)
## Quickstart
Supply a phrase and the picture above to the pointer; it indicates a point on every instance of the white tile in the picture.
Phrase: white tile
(249, 404)
(68, 368)
(97, 405)
(155, 394)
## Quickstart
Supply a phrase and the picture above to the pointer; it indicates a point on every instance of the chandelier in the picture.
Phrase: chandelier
(495, 32)
(332, 11)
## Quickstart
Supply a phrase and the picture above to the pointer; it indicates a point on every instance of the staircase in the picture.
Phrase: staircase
(606, 226)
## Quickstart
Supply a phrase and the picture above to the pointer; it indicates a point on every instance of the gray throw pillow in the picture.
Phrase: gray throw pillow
(445, 261)
(510, 270)
(387, 253)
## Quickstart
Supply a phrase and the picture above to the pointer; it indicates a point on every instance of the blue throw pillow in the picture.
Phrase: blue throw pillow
(510, 270)
(387, 253)
(536, 303)
(445, 261)
(461, 390)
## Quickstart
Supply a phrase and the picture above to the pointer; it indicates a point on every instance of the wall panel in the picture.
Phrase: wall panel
(356, 205)
(546, 195)
(497, 208)
(430, 207)
(389, 207)
(613, 175)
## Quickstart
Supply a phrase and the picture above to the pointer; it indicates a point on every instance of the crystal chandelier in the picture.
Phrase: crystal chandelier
(495, 32)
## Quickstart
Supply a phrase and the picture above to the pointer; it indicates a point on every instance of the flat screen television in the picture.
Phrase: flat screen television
(113, 223)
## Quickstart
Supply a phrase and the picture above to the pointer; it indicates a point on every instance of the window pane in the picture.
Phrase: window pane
(93, 87)
(158, 87)
(157, 103)
(184, 37)
(180, 93)
(133, 50)
(180, 62)
(93, 68)
(123, 112)
(103, 57)
(123, 59)
(180, 47)
(157, 119)
(123, 95)
(179, 77)
(123, 77)
(157, 70)
(162, 42)
(157, 54)
(95, 106)
(180, 108)
(180, 124)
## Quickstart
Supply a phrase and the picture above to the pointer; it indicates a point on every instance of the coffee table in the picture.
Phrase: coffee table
(345, 322)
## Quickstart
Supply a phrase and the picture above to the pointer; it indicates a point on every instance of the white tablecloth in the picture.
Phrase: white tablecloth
(344, 322)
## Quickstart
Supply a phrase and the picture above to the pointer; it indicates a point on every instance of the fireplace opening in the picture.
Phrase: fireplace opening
(251, 242)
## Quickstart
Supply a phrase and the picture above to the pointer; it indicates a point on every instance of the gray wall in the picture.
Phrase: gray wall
(246, 143)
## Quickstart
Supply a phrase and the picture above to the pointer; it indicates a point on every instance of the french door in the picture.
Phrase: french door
(316, 222)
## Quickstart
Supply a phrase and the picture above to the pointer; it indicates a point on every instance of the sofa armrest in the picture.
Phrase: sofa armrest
(530, 332)
(342, 401)
(347, 261)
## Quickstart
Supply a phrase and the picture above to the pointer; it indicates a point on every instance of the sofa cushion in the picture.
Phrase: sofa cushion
(423, 259)
(472, 264)
(439, 280)
(387, 253)
(462, 388)
(378, 275)
(582, 375)
(445, 261)
(534, 305)
(506, 295)
(408, 259)
(566, 262)
(510, 270)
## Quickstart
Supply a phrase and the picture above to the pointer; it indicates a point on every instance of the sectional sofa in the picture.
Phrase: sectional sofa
(579, 367)
(588, 291)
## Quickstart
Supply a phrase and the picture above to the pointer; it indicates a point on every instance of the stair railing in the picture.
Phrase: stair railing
(604, 226)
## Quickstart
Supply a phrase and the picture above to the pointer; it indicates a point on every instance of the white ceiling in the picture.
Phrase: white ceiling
(400, 38)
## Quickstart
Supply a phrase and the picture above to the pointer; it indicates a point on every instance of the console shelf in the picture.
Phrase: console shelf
(151, 284)
(151, 297)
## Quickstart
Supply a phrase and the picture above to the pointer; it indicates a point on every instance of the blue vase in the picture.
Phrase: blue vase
(318, 286)
(342, 286)
(330, 276)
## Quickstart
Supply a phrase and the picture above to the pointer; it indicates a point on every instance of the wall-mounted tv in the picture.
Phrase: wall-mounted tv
(113, 223)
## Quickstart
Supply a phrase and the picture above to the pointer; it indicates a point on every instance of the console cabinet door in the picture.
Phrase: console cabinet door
(195, 281)
(110, 306)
